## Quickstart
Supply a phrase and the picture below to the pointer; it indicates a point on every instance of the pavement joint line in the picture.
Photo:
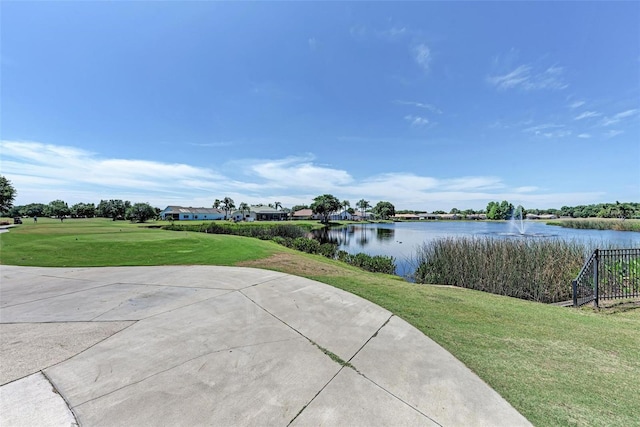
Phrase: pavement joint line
(66, 402)
(133, 322)
(316, 395)
(323, 350)
(399, 398)
(173, 309)
(375, 334)
(263, 282)
(222, 350)
(59, 295)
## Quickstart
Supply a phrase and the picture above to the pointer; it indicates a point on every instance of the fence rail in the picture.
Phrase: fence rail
(608, 274)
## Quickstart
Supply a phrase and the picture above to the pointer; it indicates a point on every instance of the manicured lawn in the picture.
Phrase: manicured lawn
(557, 366)
(102, 242)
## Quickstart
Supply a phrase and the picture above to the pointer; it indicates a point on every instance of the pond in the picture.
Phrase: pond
(402, 239)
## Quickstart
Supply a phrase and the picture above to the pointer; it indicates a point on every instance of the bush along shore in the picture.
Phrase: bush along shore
(294, 237)
(599, 224)
(531, 269)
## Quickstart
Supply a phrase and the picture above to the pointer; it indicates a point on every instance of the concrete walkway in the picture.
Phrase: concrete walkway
(205, 345)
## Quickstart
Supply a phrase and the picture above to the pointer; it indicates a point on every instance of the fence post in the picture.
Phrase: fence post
(596, 285)
(574, 286)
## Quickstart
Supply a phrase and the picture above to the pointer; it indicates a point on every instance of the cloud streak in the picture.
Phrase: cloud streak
(525, 77)
(44, 172)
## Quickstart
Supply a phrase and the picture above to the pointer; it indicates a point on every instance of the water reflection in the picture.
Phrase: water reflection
(355, 235)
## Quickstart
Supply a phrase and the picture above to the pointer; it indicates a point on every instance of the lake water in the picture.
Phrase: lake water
(402, 239)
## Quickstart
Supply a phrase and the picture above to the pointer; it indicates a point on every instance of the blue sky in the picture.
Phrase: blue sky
(428, 105)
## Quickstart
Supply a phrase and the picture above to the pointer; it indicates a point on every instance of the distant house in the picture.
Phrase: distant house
(407, 217)
(427, 216)
(180, 213)
(303, 214)
(477, 216)
(449, 216)
(344, 215)
(359, 217)
(544, 216)
(259, 213)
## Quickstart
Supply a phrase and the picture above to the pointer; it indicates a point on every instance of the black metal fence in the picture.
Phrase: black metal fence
(608, 274)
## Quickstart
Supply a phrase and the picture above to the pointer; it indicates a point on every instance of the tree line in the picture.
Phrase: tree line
(115, 209)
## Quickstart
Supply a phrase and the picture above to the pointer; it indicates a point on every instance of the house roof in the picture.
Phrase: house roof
(303, 212)
(190, 210)
(265, 210)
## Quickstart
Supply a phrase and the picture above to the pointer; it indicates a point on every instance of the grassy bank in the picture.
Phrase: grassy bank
(599, 224)
(557, 366)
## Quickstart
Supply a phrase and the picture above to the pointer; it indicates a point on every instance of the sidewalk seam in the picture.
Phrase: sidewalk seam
(66, 402)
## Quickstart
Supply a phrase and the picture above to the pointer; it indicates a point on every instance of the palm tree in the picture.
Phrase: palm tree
(345, 205)
(227, 204)
(243, 207)
(277, 205)
(363, 205)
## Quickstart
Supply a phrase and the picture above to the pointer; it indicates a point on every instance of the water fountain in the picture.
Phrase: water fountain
(517, 221)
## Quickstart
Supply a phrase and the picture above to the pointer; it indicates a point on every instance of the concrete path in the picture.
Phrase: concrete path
(205, 345)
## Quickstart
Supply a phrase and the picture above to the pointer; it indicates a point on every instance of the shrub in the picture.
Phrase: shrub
(304, 244)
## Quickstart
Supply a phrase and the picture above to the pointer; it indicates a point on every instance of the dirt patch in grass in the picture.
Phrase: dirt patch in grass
(294, 264)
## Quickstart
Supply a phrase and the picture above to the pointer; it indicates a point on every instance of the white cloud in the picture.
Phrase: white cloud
(416, 121)
(616, 118)
(539, 128)
(429, 107)
(422, 55)
(612, 133)
(576, 104)
(42, 172)
(586, 115)
(393, 33)
(584, 135)
(525, 77)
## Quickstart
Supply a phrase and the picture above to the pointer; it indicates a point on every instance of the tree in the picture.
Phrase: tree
(83, 210)
(384, 210)
(243, 207)
(227, 205)
(114, 209)
(140, 212)
(624, 210)
(325, 205)
(35, 209)
(502, 210)
(7, 195)
(363, 205)
(345, 205)
(277, 205)
(59, 209)
(216, 204)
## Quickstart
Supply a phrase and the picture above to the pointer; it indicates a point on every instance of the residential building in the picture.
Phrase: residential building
(180, 213)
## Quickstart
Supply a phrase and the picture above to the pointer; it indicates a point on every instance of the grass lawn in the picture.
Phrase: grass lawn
(557, 366)
(102, 242)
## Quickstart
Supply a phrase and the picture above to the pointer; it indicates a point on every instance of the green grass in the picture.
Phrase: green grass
(102, 242)
(557, 366)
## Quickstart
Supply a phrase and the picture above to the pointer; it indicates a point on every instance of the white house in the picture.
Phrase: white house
(179, 213)
(344, 215)
(259, 213)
